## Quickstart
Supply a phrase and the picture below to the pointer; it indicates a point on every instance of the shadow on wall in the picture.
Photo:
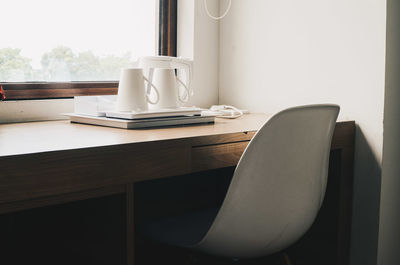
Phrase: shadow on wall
(366, 200)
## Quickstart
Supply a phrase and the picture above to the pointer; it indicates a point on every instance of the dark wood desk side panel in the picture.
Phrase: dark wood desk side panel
(345, 204)
(343, 135)
(46, 174)
(343, 141)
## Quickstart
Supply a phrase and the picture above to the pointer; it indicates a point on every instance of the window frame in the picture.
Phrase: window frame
(167, 32)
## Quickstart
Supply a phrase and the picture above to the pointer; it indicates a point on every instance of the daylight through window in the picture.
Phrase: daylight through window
(73, 40)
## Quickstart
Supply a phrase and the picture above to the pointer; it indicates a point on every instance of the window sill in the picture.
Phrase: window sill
(54, 90)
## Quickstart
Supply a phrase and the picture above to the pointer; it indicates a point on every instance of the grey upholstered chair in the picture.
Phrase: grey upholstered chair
(275, 193)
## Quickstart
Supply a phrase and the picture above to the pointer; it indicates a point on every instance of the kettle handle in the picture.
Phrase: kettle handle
(187, 92)
(148, 92)
(187, 65)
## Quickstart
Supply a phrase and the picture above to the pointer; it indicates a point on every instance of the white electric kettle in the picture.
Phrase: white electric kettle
(162, 74)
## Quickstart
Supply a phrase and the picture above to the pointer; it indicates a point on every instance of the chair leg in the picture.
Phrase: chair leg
(287, 259)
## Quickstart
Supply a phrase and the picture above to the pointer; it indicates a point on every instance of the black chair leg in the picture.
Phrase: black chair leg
(286, 259)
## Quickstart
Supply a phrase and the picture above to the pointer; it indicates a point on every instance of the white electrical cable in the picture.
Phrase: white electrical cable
(220, 17)
(224, 111)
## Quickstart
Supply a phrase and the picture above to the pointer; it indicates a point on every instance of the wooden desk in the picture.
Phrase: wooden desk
(46, 163)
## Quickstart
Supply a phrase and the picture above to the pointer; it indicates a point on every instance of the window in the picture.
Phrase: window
(57, 49)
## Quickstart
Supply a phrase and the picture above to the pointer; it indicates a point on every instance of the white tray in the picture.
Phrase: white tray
(139, 123)
(132, 115)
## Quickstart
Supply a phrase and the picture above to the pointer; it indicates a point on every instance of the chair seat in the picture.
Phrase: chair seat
(184, 230)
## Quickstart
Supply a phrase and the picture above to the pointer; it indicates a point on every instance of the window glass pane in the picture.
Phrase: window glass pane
(73, 40)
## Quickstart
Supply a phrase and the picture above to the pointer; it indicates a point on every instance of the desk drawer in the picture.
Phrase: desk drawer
(70, 171)
(217, 156)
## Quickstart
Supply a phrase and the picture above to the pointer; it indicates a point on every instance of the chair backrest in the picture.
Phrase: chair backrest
(278, 186)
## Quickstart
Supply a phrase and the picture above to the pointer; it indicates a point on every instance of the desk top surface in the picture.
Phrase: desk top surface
(37, 137)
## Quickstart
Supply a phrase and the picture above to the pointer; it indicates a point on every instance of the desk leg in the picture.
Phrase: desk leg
(345, 204)
(130, 233)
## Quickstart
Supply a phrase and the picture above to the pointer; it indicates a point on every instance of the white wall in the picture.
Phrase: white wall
(275, 54)
(198, 39)
(389, 233)
(34, 110)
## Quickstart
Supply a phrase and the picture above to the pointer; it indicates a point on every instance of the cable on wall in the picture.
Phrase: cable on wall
(214, 17)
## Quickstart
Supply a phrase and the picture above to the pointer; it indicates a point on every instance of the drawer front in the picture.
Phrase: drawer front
(48, 174)
(217, 156)
(222, 138)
